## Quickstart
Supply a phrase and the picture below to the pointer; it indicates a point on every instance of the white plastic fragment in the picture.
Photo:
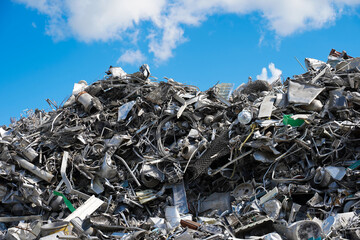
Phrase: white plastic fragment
(300, 116)
(90, 206)
(266, 123)
(79, 87)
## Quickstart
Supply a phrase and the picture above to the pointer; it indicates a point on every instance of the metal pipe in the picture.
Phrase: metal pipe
(128, 168)
(34, 169)
(231, 162)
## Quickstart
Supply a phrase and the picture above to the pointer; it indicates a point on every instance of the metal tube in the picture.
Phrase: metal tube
(34, 169)
(231, 162)
(128, 168)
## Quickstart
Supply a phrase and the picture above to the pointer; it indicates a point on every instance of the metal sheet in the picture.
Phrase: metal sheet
(302, 93)
(266, 106)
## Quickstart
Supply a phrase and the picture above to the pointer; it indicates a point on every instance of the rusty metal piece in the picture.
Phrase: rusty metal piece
(190, 224)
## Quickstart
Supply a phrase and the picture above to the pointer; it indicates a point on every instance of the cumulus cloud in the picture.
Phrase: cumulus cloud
(132, 57)
(104, 20)
(275, 73)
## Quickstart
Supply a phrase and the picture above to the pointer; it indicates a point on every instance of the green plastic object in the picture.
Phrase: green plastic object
(288, 120)
(66, 201)
(355, 165)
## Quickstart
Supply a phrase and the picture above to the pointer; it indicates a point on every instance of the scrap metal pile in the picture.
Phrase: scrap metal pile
(128, 157)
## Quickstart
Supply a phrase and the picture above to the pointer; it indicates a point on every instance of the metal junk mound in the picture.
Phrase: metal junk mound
(128, 157)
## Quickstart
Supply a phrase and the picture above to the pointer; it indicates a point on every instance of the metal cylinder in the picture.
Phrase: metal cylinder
(208, 119)
(304, 230)
(188, 151)
(86, 100)
(29, 153)
(315, 105)
(150, 175)
(322, 177)
(34, 169)
(300, 230)
(56, 203)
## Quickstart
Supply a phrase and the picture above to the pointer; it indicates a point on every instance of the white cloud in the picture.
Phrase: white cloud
(104, 20)
(132, 57)
(33, 25)
(53, 8)
(275, 73)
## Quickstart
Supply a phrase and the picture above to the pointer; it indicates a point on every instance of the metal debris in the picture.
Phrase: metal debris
(129, 157)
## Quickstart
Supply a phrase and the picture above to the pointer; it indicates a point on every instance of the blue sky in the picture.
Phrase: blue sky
(48, 45)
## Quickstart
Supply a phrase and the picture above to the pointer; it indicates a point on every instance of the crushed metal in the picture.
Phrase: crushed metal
(129, 157)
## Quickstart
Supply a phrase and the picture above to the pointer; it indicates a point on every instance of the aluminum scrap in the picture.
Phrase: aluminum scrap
(131, 157)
